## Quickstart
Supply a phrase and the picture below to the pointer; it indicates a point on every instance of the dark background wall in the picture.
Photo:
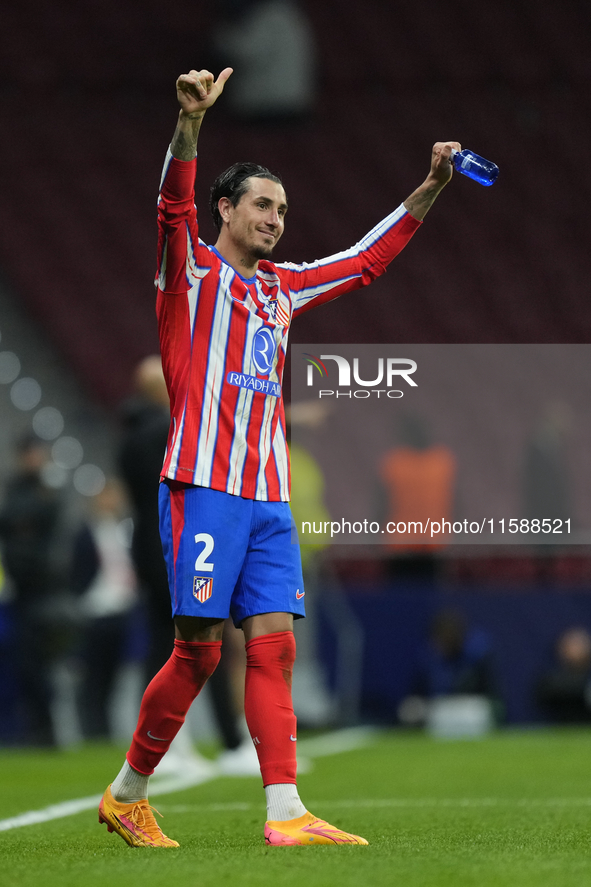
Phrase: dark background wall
(88, 107)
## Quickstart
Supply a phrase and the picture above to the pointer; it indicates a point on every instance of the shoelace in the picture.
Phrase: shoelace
(148, 824)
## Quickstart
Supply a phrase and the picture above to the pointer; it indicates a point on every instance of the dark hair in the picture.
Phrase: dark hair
(232, 183)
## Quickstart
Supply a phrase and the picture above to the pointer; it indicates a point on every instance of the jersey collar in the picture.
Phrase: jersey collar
(245, 279)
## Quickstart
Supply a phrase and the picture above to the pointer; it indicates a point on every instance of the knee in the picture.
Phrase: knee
(272, 650)
(197, 661)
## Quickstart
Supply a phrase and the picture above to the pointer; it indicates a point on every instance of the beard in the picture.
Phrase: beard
(262, 252)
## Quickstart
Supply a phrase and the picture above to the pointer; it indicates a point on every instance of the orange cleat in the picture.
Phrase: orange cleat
(135, 823)
(307, 830)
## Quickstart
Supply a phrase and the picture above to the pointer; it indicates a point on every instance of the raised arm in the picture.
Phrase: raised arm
(319, 282)
(421, 200)
(196, 91)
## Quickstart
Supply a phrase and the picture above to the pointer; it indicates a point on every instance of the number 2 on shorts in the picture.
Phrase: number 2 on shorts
(201, 563)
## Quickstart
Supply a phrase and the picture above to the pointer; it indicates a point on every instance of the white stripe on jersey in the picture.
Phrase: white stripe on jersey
(167, 160)
(161, 279)
(239, 449)
(250, 303)
(214, 378)
(380, 229)
(193, 298)
(281, 461)
(268, 277)
(350, 253)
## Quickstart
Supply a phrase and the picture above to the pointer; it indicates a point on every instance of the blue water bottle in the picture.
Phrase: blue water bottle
(475, 167)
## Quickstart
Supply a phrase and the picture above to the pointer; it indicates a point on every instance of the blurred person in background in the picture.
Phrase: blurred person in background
(103, 577)
(9, 734)
(311, 701)
(418, 482)
(30, 515)
(456, 660)
(283, 29)
(146, 419)
(563, 691)
(547, 483)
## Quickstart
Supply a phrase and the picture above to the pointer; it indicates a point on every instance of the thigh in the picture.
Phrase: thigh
(271, 578)
(205, 537)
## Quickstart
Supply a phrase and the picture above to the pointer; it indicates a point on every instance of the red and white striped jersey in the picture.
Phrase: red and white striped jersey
(224, 338)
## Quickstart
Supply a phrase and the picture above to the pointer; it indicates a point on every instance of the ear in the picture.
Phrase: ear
(225, 207)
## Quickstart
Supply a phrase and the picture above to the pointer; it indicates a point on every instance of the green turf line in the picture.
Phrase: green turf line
(328, 744)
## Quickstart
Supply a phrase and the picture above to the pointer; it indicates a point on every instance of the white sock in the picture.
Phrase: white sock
(283, 802)
(130, 786)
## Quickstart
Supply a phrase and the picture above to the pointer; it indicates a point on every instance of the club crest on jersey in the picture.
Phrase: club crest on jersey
(276, 311)
(264, 347)
(271, 306)
(202, 588)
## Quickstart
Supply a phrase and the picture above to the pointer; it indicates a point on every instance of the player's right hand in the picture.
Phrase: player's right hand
(441, 164)
(197, 91)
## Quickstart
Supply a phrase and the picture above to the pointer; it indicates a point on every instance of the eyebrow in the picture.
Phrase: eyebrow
(269, 200)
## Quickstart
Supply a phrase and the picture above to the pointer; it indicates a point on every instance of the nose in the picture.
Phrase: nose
(273, 218)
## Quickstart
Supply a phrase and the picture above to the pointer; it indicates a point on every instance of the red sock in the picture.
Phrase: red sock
(167, 700)
(268, 706)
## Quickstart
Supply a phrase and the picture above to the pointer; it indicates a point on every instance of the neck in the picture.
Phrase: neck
(243, 263)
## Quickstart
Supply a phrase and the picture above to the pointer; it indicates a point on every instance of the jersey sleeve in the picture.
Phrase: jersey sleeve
(178, 233)
(317, 282)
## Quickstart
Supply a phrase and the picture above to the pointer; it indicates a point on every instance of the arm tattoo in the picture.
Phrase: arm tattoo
(421, 200)
(184, 141)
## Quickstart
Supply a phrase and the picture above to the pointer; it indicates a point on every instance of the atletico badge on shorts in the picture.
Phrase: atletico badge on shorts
(202, 588)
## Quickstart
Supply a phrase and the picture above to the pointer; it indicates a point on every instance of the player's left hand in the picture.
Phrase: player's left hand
(441, 165)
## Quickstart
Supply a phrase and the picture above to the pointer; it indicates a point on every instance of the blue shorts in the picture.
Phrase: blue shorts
(228, 556)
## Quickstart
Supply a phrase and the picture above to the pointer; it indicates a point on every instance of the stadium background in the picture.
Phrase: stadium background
(88, 107)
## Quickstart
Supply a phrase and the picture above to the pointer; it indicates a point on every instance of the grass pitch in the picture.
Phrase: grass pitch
(512, 810)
